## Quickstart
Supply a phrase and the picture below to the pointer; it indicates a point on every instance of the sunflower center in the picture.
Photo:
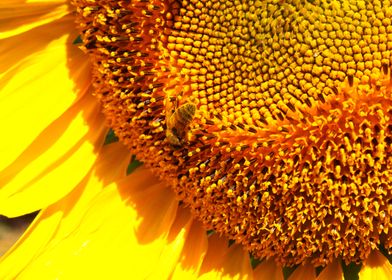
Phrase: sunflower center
(271, 119)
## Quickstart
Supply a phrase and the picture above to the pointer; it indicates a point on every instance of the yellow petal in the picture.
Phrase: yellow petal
(43, 77)
(223, 262)
(119, 234)
(172, 251)
(303, 272)
(39, 233)
(376, 267)
(193, 253)
(332, 271)
(59, 220)
(55, 162)
(268, 269)
(17, 17)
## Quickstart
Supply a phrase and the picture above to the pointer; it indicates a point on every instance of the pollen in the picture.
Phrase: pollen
(287, 149)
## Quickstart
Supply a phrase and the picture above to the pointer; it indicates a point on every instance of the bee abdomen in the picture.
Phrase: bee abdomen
(185, 113)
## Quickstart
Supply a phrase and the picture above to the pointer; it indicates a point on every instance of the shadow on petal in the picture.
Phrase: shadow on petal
(193, 253)
(224, 262)
(268, 269)
(376, 266)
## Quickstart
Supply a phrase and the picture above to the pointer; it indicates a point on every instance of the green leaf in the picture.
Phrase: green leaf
(385, 253)
(254, 262)
(351, 271)
(133, 165)
(287, 271)
(110, 137)
(77, 41)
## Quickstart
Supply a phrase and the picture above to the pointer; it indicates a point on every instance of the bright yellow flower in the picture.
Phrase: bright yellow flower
(270, 120)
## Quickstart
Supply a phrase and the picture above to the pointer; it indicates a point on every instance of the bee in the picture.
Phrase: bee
(178, 122)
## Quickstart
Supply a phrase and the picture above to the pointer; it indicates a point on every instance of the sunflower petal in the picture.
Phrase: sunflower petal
(55, 162)
(193, 253)
(41, 81)
(56, 223)
(172, 251)
(268, 269)
(377, 267)
(224, 262)
(17, 17)
(130, 219)
(332, 271)
(303, 272)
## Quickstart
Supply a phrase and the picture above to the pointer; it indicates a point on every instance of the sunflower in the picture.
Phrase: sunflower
(264, 127)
